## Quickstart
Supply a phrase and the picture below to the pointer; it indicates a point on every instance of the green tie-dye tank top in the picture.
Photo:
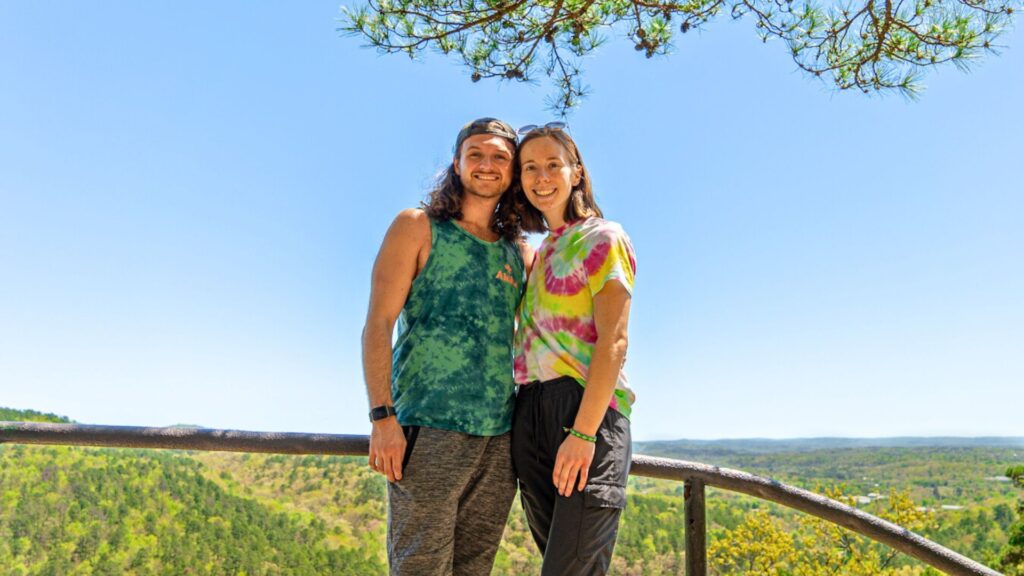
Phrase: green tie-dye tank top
(452, 361)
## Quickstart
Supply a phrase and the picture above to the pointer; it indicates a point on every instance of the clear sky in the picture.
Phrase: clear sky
(192, 195)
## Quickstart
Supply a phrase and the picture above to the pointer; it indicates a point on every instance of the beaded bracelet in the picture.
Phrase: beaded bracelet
(580, 435)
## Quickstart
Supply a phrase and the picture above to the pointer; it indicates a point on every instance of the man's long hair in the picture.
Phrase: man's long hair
(444, 202)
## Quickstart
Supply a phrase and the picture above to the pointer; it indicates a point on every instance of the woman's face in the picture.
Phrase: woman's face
(547, 175)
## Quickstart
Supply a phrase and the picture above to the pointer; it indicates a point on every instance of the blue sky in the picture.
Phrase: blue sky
(192, 195)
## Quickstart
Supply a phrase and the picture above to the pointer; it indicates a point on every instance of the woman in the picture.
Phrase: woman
(570, 433)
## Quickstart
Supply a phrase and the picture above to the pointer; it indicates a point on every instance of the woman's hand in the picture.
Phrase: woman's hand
(574, 458)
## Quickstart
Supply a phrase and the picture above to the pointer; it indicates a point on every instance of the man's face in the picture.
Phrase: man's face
(484, 165)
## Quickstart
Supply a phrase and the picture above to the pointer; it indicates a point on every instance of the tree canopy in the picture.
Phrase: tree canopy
(1012, 560)
(867, 45)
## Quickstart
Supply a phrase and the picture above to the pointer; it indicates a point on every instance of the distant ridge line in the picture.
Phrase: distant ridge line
(760, 445)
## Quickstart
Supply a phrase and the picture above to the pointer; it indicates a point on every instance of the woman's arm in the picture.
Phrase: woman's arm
(611, 317)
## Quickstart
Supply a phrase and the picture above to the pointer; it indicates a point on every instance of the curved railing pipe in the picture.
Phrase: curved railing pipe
(694, 475)
(846, 516)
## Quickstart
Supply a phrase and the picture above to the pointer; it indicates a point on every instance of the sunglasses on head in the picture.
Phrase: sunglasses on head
(531, 127)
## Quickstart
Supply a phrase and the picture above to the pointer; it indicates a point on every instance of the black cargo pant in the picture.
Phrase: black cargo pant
(576, 534)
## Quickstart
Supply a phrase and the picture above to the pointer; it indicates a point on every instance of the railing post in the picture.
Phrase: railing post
(696, 528)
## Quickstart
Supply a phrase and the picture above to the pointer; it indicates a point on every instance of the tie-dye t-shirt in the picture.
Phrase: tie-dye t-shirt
(557, 332)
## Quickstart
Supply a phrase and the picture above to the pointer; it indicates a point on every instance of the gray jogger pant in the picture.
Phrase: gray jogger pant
(447, 514)
(576, 534)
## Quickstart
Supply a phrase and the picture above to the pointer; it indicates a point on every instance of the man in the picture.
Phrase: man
(451, 274)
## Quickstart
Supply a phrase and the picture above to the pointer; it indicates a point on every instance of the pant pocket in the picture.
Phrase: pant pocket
(411, 433)
(613, 451)
(604, 496)
(599, 525)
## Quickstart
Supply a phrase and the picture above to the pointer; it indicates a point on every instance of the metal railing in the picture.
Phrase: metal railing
(695, 478)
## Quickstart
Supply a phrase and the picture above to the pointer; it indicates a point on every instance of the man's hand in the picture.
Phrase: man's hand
(387, 448)
(574, 458)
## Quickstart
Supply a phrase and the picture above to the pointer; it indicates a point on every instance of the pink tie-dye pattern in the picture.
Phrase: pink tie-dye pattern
(561, 286)
(519, 367)
(581, 328)
(597, 257)
(566, 286)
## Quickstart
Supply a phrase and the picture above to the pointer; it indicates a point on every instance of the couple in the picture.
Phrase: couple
(494, 377)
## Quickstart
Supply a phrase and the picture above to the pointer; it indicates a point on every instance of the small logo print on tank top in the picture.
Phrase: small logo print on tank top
(506, 276)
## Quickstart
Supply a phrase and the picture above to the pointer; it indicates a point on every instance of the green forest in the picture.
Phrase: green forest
(116, 511)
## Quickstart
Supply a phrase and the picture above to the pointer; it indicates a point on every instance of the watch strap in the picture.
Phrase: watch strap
(382, 412)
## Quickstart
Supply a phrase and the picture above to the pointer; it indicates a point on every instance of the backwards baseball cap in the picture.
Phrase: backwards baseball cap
(485, 126)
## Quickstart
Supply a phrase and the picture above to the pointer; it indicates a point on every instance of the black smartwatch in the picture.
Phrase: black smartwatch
(382, 412)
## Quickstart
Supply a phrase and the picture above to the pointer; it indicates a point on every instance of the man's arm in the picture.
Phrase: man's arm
(393, 272)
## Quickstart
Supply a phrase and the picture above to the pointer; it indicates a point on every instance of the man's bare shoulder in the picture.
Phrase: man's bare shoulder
(415, 217)
(411, 225)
